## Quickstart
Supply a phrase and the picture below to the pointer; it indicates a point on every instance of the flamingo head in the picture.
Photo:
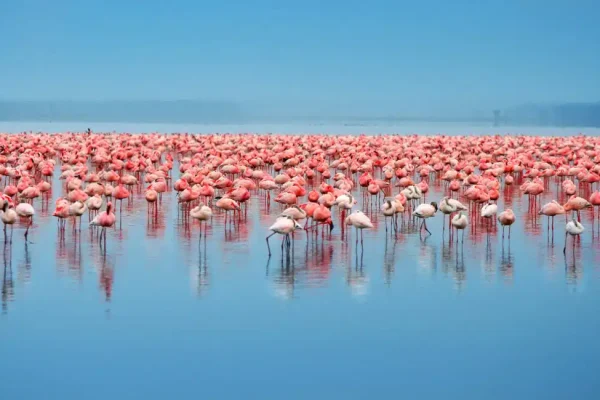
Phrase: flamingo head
(330, 222)
(296, 224)
(435, 206)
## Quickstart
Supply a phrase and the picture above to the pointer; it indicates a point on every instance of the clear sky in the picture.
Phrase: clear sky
(306, 57)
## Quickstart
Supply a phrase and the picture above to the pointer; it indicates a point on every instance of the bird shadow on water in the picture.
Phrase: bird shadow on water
(356, 277)
(507, 262)
(24, 266)
(453, 262)
(7, 278)
(427, 256)
(69, 257)
(389, 260)
(573, 269)
(203, 278)
(286, 279)
(488, 264)
(105, 267)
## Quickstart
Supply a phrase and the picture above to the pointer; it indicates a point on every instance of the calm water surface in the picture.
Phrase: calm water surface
(162, 314)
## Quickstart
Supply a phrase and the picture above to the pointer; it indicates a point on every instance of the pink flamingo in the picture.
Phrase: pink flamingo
(105, 219)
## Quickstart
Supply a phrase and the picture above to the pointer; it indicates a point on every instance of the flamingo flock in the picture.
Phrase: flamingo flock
(307, 182)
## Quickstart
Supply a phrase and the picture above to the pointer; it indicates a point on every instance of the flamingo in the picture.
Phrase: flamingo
(284, 225)
(105, 219)
(8, 217)
(448, 207)
(25, 210)
(76, 210)
(425, 211)
(201, 213)
(551, 210)
(322, 216)
(576, 203)
(227, 205)
(390, 208)
(121, 193)
(506, 218)
(573, 228)
(359, 221)
(460, 222)
(295, 212)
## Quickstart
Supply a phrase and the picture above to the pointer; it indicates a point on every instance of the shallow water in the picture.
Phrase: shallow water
(160, 313)
(354, 127)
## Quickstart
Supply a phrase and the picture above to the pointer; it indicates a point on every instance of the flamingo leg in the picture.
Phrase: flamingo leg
(28, 226)
(269, 247)
(425, 226)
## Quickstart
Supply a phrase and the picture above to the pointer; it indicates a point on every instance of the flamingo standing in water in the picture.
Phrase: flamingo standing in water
(322, 215)
(573, 228)
(61, 212)
(227, 205)
(105, 219)
(284, 225)
(201, 213)
(388, 208)
(94, 203)
(506, 218)
(488, 211)
(448, 207)
(76, 210)
(295, 212)
(460, 222)
(8, 217)
(360, 221)
(425, 211)
(25, 210)
(551, 210)
(151, 196)
(121, 193)
(577, 204)
(345, 202)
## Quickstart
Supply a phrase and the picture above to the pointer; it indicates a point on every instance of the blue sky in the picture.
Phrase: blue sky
(309, 57)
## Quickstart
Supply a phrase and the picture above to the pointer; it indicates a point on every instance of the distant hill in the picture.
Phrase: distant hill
(184, 111)
(568, 114)
(225, 112)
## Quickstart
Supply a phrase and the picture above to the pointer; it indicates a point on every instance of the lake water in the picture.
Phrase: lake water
(352, 127)
(161, 314)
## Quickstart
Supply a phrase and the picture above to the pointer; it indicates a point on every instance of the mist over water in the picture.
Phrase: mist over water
(350, 128)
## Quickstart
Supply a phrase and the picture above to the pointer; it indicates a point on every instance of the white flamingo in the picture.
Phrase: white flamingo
(284, 225)
(573, 228)
(424, 211)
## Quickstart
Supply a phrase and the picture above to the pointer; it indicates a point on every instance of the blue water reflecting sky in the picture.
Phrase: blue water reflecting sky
(163, 314)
